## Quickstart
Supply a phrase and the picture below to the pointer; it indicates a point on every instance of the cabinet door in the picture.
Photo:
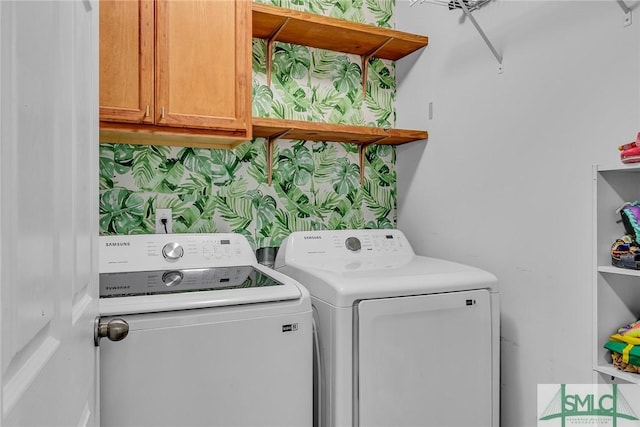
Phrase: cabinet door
(203, 60)
(126, 60)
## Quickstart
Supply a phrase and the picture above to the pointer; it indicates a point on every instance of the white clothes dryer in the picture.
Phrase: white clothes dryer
(404, 340)
(214, 338)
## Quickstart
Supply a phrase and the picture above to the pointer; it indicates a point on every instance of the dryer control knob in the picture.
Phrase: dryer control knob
(353, 244)
(172, 251)
(172, 278)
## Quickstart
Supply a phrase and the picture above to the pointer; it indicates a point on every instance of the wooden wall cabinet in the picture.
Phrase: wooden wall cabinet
(175, 72)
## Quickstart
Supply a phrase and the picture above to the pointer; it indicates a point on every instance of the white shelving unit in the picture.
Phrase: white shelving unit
(616, 291)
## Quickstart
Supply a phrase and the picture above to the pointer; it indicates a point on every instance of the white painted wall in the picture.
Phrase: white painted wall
(504, 182)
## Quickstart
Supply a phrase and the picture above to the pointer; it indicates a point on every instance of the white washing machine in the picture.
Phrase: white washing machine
(404, 340)
(214, 338)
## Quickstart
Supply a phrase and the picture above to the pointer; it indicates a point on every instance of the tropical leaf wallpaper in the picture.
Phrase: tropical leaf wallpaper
(316, 185)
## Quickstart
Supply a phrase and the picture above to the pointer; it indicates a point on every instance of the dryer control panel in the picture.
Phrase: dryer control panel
(345, 243)
(146, 252)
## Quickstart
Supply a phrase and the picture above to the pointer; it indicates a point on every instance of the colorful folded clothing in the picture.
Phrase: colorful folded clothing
(625, 253)
(624, 356)
(630, 216)
(630, 155)
(625, 347)
(630, 330)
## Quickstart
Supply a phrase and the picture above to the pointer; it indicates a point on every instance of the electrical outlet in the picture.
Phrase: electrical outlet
(164, 221)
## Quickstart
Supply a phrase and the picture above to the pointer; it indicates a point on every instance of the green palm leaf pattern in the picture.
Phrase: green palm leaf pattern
(349, 10)
(380, 223)
(265, 214)
(248, 151)
(196, 185)
(346, 75)
(291, 60)
(325, 157)
(294, 166)
(258, 167)
(120, 211)
(380, 74)
(106, 167)
(196, 160)
(286, 222)
(147, 160)
(380, 103)
(378, 169)
(320, 6)
(382, 10)
(123, 157)
(351, 219)
(380, 200)
(349, 109)
(347, 176)
(294, 200)
(196, 218)
(167, 178)
(259, 56)
(279, 228)
(293, 96)
(323, 63)
(237, 211)
(325, 202)
(262, 100)
(224, 165)
(323, 101)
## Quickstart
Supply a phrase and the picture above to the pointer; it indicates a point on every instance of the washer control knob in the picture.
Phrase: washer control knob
(172, 251)
(353, 244)
(172, 278)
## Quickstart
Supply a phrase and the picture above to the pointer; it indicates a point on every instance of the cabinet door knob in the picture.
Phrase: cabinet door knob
(162, 112)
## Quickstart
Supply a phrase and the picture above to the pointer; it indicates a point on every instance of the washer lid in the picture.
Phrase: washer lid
(341, 283)
(164, 290)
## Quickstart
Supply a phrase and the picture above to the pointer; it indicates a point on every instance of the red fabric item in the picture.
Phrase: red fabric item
(631, 155)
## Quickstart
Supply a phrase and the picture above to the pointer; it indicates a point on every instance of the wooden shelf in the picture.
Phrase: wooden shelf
(314, 131)
(276, 24)
(308, 29)
(274, 129)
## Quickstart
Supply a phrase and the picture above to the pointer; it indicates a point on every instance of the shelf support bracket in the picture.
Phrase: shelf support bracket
(362, 151)
(483, 35)
(270, 42)
(365, 65)
(270, 141)
(627, 12)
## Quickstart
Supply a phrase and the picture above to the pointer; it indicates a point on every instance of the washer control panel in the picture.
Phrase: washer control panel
(146, 252)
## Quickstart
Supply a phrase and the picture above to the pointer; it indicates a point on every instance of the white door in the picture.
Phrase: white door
(425, 361)
(48, 212)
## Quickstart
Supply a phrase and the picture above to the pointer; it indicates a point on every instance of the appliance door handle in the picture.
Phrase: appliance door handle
(115, 329)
